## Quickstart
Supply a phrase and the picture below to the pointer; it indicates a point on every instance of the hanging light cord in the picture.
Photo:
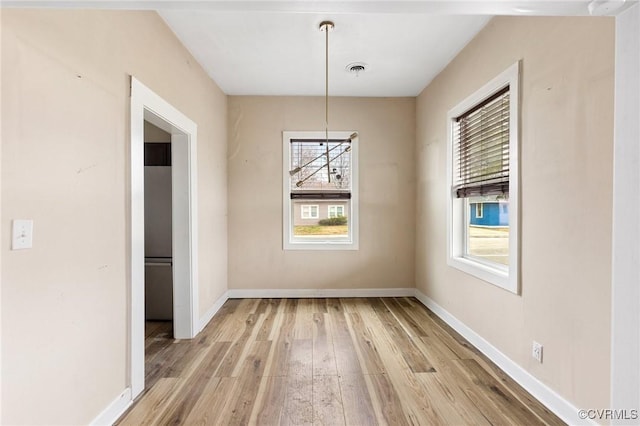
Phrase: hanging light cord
(326, 97)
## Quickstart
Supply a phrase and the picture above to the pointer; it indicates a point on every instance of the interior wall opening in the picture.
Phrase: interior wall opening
(158, 254)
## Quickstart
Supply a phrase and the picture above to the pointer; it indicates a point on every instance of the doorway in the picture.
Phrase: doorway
(158, 253)
(148, 107)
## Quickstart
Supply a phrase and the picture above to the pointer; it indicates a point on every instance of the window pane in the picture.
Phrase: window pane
(308, 211)
(487, 228)
(319, 222)
(336, 211)
(318, 165)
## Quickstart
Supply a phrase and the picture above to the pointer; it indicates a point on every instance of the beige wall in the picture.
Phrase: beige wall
(566, 194)
(64, 164)
(65, 142)
(387, 208)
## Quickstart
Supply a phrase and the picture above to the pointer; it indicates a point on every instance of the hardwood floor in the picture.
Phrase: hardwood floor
(326, 362)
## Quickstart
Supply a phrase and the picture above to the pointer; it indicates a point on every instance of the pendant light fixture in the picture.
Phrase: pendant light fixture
(325, 26)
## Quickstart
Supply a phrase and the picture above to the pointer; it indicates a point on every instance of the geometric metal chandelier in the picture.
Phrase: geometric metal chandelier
(325, 26)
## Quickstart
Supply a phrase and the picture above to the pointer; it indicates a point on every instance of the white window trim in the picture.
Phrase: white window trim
(289, 241)
(335, 207)
(481, 210)
(310, 216)
(501, 276)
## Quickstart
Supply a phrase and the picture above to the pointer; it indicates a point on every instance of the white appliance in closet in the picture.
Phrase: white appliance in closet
(157, 244)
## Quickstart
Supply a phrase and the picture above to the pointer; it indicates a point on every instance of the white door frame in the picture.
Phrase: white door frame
(146, 105)
(625, 280)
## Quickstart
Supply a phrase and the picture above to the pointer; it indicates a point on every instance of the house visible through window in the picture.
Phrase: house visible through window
(336, 211)
(483, 192)
(320, 187)
(309, 211)
(479, 210)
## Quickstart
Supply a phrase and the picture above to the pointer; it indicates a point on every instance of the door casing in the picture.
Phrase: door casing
(148, 106)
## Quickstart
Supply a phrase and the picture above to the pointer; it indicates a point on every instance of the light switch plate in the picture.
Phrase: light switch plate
(22, 234)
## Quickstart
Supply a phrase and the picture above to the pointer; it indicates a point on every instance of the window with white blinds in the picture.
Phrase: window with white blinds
(481, 147)
(482, 181)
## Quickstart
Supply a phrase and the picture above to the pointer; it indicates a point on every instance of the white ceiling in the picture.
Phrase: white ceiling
(283, 53)
(265, 47)
(275, 48)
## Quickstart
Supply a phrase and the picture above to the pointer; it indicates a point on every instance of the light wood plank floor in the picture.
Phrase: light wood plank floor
(326, 362)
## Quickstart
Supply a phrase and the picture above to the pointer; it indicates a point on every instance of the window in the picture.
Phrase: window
(320, 188)
(309, 211)
(336, 211)
(479, 210)
(482, 179)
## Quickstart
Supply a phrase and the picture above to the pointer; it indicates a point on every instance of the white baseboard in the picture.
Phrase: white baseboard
(204, 320)
(302, 293)
(547, 396)
(110, 414)
(114, 410)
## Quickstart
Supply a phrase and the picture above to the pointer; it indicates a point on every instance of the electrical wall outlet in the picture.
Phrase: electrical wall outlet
(536, 351)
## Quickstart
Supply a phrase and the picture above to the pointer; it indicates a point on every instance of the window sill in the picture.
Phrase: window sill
(320, 245)
(492, 274)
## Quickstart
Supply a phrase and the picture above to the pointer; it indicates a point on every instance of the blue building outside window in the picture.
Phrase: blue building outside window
(490, 213)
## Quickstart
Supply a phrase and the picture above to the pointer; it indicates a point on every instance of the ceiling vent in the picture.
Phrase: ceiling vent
(356, 68)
